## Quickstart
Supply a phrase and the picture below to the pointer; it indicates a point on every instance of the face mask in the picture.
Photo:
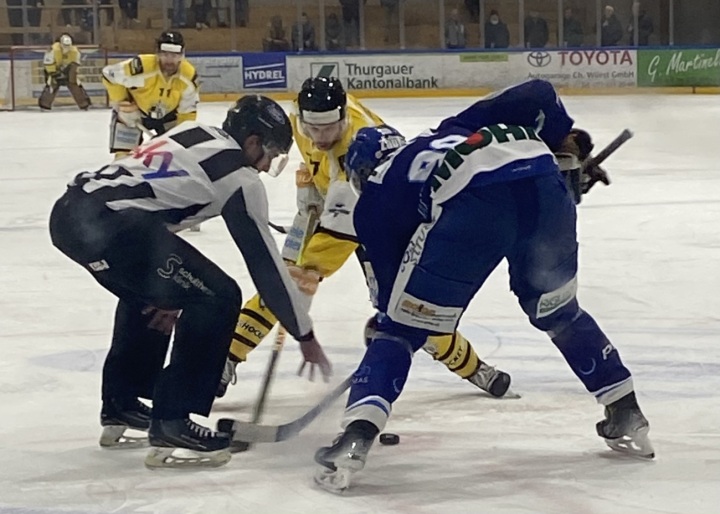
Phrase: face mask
(494, 20)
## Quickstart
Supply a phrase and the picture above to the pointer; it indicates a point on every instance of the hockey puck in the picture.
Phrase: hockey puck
(388, 439)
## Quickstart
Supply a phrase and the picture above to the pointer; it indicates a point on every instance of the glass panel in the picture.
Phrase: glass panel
(501, 28)
(578, 23)
(461, 29)
(422, 24)
(540, 23)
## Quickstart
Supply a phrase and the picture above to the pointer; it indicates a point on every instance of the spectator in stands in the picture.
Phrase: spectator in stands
(455, 31)
(351, 20)
(303, 35)
(72, 17)
(242, 13)
(391, 19)
(473, 9)
(107, 12)
(275, 40)
(611, 32)
(645, 26)
(333, 33)
(201, 9)
(536, 31)
(179, 16)
(129, 11)
(222, 9)
(497, 34)
(572, 30)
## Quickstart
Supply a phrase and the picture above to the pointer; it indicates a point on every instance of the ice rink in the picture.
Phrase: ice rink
(650, 274)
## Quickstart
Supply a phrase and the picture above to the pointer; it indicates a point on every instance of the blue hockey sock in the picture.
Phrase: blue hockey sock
(379, 380)
(594, 359)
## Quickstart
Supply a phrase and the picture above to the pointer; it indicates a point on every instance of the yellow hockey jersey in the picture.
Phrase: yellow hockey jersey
(327, 250)
(55, 60)
(141, 81)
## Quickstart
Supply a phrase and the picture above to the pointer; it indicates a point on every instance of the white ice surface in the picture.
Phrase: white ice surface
(650, 274)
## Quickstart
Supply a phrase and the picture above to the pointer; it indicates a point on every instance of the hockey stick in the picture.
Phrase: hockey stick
(606, 152)
(239, 446)
(582, 180)
(247, 432)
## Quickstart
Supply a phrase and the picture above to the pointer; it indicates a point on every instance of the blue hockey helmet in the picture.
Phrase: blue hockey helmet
(370, 148)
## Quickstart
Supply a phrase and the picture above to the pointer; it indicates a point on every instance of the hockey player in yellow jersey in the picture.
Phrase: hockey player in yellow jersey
(325, 122)
(150, 92)
(60, 65)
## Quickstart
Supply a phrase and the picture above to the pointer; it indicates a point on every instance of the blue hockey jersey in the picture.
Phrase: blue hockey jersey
(508, 135)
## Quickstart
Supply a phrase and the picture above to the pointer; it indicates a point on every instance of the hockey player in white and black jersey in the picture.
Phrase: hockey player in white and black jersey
(119, 224)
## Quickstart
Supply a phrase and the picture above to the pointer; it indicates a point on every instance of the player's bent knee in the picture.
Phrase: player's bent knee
(553, 311)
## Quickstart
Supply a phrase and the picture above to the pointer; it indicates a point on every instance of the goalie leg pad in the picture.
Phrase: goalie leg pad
(79, 95)
(122, 137)
(48, 97)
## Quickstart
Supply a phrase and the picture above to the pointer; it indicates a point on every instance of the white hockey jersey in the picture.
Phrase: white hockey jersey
(193, 173)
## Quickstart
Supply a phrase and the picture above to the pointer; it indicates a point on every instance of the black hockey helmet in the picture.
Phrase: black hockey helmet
(171, 41)
(322, 100)
(261, 116)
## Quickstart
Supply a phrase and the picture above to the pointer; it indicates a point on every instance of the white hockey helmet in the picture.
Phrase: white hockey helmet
(66, 42)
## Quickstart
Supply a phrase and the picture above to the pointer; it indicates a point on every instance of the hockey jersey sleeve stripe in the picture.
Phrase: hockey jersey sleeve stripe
(257, 317)
(262, 264)
(223, 163)
(192, 137)
(123, 192)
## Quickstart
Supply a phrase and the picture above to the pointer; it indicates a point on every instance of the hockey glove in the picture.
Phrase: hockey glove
(314, 355)
(162, 320)
(128, 113)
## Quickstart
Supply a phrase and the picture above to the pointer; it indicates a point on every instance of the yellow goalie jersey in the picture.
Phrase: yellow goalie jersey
(334, 240)
(55, 60)
(164, 102)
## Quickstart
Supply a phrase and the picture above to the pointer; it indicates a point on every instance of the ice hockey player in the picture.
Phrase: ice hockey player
(157, 91)
(324, 123)
(436, 217)
(119, 222)
(60, 65)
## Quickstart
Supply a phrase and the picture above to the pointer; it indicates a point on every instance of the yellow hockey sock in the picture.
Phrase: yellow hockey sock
(455, 352)
(254, 324)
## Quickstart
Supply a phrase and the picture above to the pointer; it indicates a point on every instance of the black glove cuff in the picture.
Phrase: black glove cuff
(307, 337)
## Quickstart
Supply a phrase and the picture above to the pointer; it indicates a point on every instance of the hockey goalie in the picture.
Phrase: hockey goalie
(61, 65)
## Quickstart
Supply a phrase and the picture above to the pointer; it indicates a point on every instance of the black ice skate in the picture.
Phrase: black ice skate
(182, 443)
(117, 417)
(493, 381)
(229, 376)
(625, 429)
(345, 457)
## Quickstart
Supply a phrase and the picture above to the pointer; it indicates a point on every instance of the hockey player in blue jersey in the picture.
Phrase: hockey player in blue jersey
(436, 215)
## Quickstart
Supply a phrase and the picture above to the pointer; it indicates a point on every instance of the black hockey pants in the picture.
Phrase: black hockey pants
(135, 257)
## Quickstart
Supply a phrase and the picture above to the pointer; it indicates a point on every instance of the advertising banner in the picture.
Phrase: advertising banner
(564, 68)
(681, 67)
(219, 74)
(264, 71)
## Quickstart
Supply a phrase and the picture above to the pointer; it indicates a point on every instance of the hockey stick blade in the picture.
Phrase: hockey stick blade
(248, 432)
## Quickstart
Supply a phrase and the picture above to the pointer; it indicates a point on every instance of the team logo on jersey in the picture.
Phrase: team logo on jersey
(100, 265)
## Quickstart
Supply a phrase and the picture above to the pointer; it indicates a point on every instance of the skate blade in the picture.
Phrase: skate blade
(636, 445)
(336, 482)
(113, 438)
(181, 458)
(509, 395)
